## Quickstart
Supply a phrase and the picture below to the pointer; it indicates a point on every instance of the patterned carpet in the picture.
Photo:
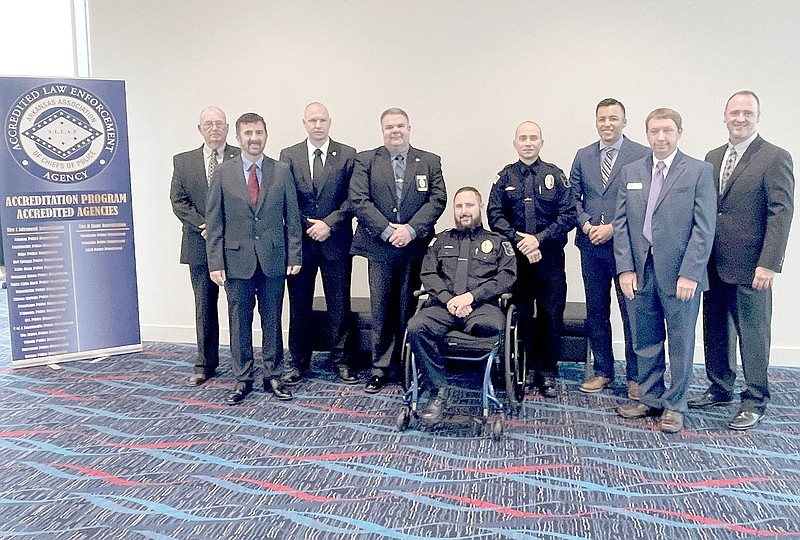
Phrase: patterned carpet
(121, 449)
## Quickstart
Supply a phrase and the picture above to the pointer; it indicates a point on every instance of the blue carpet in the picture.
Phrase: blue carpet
(121, 449)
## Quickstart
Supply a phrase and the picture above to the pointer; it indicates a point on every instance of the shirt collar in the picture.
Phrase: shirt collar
(311, 148)
(667, 161)
(741, 148)
(207, 150)
(616, 146)
(247, 163)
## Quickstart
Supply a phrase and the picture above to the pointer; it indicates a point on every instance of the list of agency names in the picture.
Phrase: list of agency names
(40, 280)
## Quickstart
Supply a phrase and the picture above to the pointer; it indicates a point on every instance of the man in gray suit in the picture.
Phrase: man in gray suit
(254, 239)
(191, 173)
(663, 230)
(321, 168)
(755, 183)
(595, 182)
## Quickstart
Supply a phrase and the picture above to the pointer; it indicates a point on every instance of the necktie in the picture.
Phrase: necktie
(730, 164)
(212, 162)
(655, 189)
(605, 168)
(399, 166)
(462, 267)
(316, 174)
(252, 184)
(529, 200)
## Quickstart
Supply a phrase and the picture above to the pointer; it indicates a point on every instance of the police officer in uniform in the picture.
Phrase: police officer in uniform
(531, 205)
(465, 271)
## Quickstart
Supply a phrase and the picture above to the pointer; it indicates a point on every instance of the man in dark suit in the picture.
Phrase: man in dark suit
(321, 169)
(663, 230)
(595, 182)
(755, 183)
(254, 240)
(191, 173)
(397, 193)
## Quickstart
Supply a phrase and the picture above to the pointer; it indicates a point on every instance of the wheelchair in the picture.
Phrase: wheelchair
(504, 361)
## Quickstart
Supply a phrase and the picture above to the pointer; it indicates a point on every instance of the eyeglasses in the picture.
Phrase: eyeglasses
(209, 125)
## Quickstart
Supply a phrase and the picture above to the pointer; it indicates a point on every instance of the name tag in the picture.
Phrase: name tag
(634, 185)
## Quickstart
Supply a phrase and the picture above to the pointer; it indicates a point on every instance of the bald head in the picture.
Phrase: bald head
(317, 122)
(528, 141)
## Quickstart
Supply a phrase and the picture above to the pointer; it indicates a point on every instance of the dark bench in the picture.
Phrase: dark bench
(574, 342)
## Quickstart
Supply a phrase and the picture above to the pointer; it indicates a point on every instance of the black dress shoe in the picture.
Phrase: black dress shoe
(345, 376)
(745, 420)
(240, 392)
(636, 409)
(276, 387)
(434, 410)
(548, 387)
(375, 384)
(709, 399)
(197, 379)
(292, 378)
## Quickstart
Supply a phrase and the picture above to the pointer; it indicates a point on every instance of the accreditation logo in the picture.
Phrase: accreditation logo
(61, 133)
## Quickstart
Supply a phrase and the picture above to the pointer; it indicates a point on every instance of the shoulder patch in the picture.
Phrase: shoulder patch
(508, 249)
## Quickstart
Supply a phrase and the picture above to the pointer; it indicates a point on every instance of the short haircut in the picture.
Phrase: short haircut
(664, 114)
(608, 102)
(466, 189)
(213, 108)
(250, 118)
(394, 110)
(745, 93)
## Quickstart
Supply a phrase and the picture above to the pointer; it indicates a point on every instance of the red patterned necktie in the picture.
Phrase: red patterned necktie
(252, 184)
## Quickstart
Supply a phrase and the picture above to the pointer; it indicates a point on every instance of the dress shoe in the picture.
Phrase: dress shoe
(595, 384)
(638, 410)
(292, 377)
(671, 421)
(345, 376)
(633, 390)
(197, 379)
(434, 409)
(276, 387)
(374, 385)
(240, 392)
(745, 420)
(548, 387)
(709, 399)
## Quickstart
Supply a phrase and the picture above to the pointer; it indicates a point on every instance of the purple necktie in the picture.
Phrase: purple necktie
(655, 189)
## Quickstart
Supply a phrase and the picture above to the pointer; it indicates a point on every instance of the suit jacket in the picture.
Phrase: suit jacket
(592, 201)
(683, 221)
(188, 195)
(329, 203)
(754, 212)
(238, 235)
(374, 201)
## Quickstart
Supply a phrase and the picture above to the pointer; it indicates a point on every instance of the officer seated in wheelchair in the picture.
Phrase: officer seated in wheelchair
(465, 271)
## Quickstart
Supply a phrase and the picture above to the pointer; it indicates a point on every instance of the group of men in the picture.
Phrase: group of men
(252, 224)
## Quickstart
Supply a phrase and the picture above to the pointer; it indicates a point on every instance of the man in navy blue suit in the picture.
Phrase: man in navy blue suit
(663, 231)
(595, 182)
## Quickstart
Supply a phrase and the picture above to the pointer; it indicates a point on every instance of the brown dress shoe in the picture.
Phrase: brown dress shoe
(671, 421)
(633, 390)
(197, 379)
(595, 384)
(635, 409)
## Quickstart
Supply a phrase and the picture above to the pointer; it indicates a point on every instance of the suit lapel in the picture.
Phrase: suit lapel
(745, 160)
(266, 175)
(331, 163)
(675, 172)
(301, 166)
(385, 170)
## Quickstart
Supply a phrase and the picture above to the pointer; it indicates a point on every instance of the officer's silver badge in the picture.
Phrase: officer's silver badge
(487, 246)
(549, 181)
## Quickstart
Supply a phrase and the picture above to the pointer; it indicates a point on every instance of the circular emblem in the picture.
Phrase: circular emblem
(549, 181)
(61, 133)
(487, 246)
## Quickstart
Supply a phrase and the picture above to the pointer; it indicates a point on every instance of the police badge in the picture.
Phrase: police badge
(487, 246)
(549, 181)
(422, 182)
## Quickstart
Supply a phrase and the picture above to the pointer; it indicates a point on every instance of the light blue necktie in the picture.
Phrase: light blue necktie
(655, 189)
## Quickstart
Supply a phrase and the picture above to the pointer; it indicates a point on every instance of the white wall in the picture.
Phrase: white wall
(466, 71)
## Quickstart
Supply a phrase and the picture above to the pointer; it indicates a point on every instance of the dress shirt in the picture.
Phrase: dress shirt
(311, 149)
(246, 168)
(741, 148)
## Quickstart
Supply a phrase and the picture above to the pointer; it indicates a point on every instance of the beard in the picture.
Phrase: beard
(474, 224)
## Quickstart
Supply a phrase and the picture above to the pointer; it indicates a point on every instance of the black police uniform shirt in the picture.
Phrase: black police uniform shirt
(553, 211)
(491, 269)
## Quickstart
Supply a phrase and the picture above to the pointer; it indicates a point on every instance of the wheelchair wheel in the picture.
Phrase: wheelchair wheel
(403, 419)
(408, 376)
(497, 429)
(514, 359)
